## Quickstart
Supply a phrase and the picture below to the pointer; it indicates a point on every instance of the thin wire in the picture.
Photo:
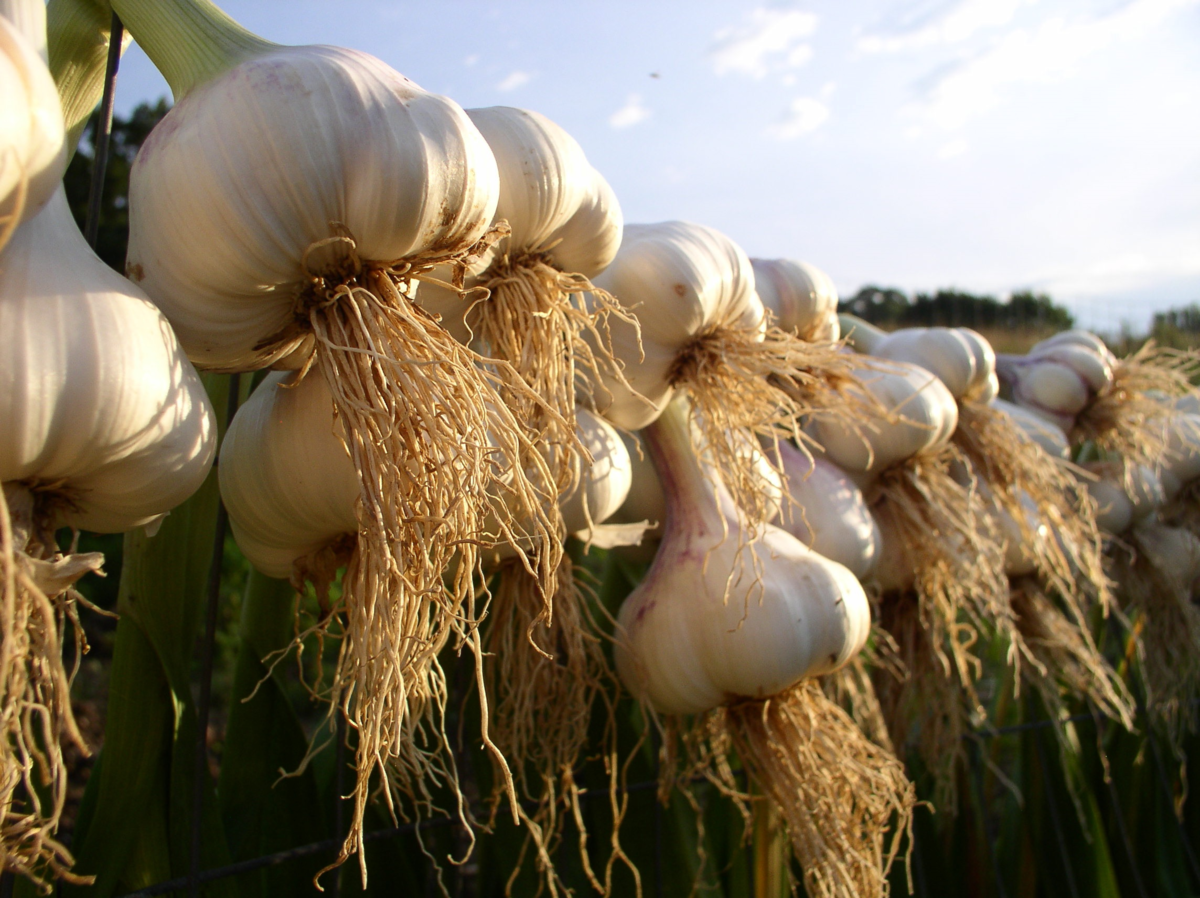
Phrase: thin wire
(206, 667)
(100, 144)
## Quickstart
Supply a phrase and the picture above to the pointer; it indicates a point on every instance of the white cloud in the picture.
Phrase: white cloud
(471, 60)
(803, 116)
(918, 26)
(767, 35)
(630, 114)
(1051, 51)
(514, 80)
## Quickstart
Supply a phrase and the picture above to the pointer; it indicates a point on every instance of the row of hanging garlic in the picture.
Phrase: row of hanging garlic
(456, 318)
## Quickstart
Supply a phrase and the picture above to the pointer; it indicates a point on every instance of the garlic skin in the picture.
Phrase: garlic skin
(248, 170)
(96, 396)
(828, 512)
(687, 645)
(922, 417)
(286, 479)
(679, 279)
(32, 139)
(801, 296)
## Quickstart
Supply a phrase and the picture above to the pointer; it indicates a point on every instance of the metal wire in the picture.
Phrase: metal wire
(100, 143)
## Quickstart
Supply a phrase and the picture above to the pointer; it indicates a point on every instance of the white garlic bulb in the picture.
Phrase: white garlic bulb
(801, 296)
(98, 401)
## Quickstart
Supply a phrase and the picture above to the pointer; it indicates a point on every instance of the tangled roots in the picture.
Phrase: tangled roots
(1125, 420)
(837, 790)
(445, 468)
(36, 598)
(945, 536)
(1062, 658)
(926, 703)
(851, 687)
(755, 386)
(1061, 536)
(1157, 573)
(543, 671)
(535, 318)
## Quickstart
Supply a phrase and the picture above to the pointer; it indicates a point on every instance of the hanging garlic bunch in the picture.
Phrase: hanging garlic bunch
(107, 428)
(704, 332)
(1074, 380)
(33, 155)
(800, 296)
(298, 242)
(732, 629)
(524, 301)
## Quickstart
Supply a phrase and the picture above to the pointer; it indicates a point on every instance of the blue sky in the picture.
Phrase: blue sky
(990, 145)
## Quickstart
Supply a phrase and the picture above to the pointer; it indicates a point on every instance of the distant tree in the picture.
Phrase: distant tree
(878, 305)
(1185, 320)
(1026, 309)
(128, 134)
(889, 307)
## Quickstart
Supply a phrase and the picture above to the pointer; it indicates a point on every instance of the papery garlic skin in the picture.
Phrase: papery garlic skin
(679, 278)
(801, 296)
(922, 415)
(97, 398)
(286, 478)
(248, 171)
(1180, 464)
(33, 152)
(687, 644)
(828, 512)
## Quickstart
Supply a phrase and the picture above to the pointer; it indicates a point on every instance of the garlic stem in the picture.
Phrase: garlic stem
(79, 32)
(861, 335)
(189, 41)
(691, 504)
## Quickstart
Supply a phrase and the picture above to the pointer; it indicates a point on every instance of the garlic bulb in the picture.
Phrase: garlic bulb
(1059, 376)
(721, 619)
(920, 416)
(605, 483)
(828, 512)
(961, 358)
(686, 646)
(33, 154)
(523, 304)
(100, 405)
(801, 296)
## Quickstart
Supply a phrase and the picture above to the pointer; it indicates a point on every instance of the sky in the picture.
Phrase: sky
(986, 145)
